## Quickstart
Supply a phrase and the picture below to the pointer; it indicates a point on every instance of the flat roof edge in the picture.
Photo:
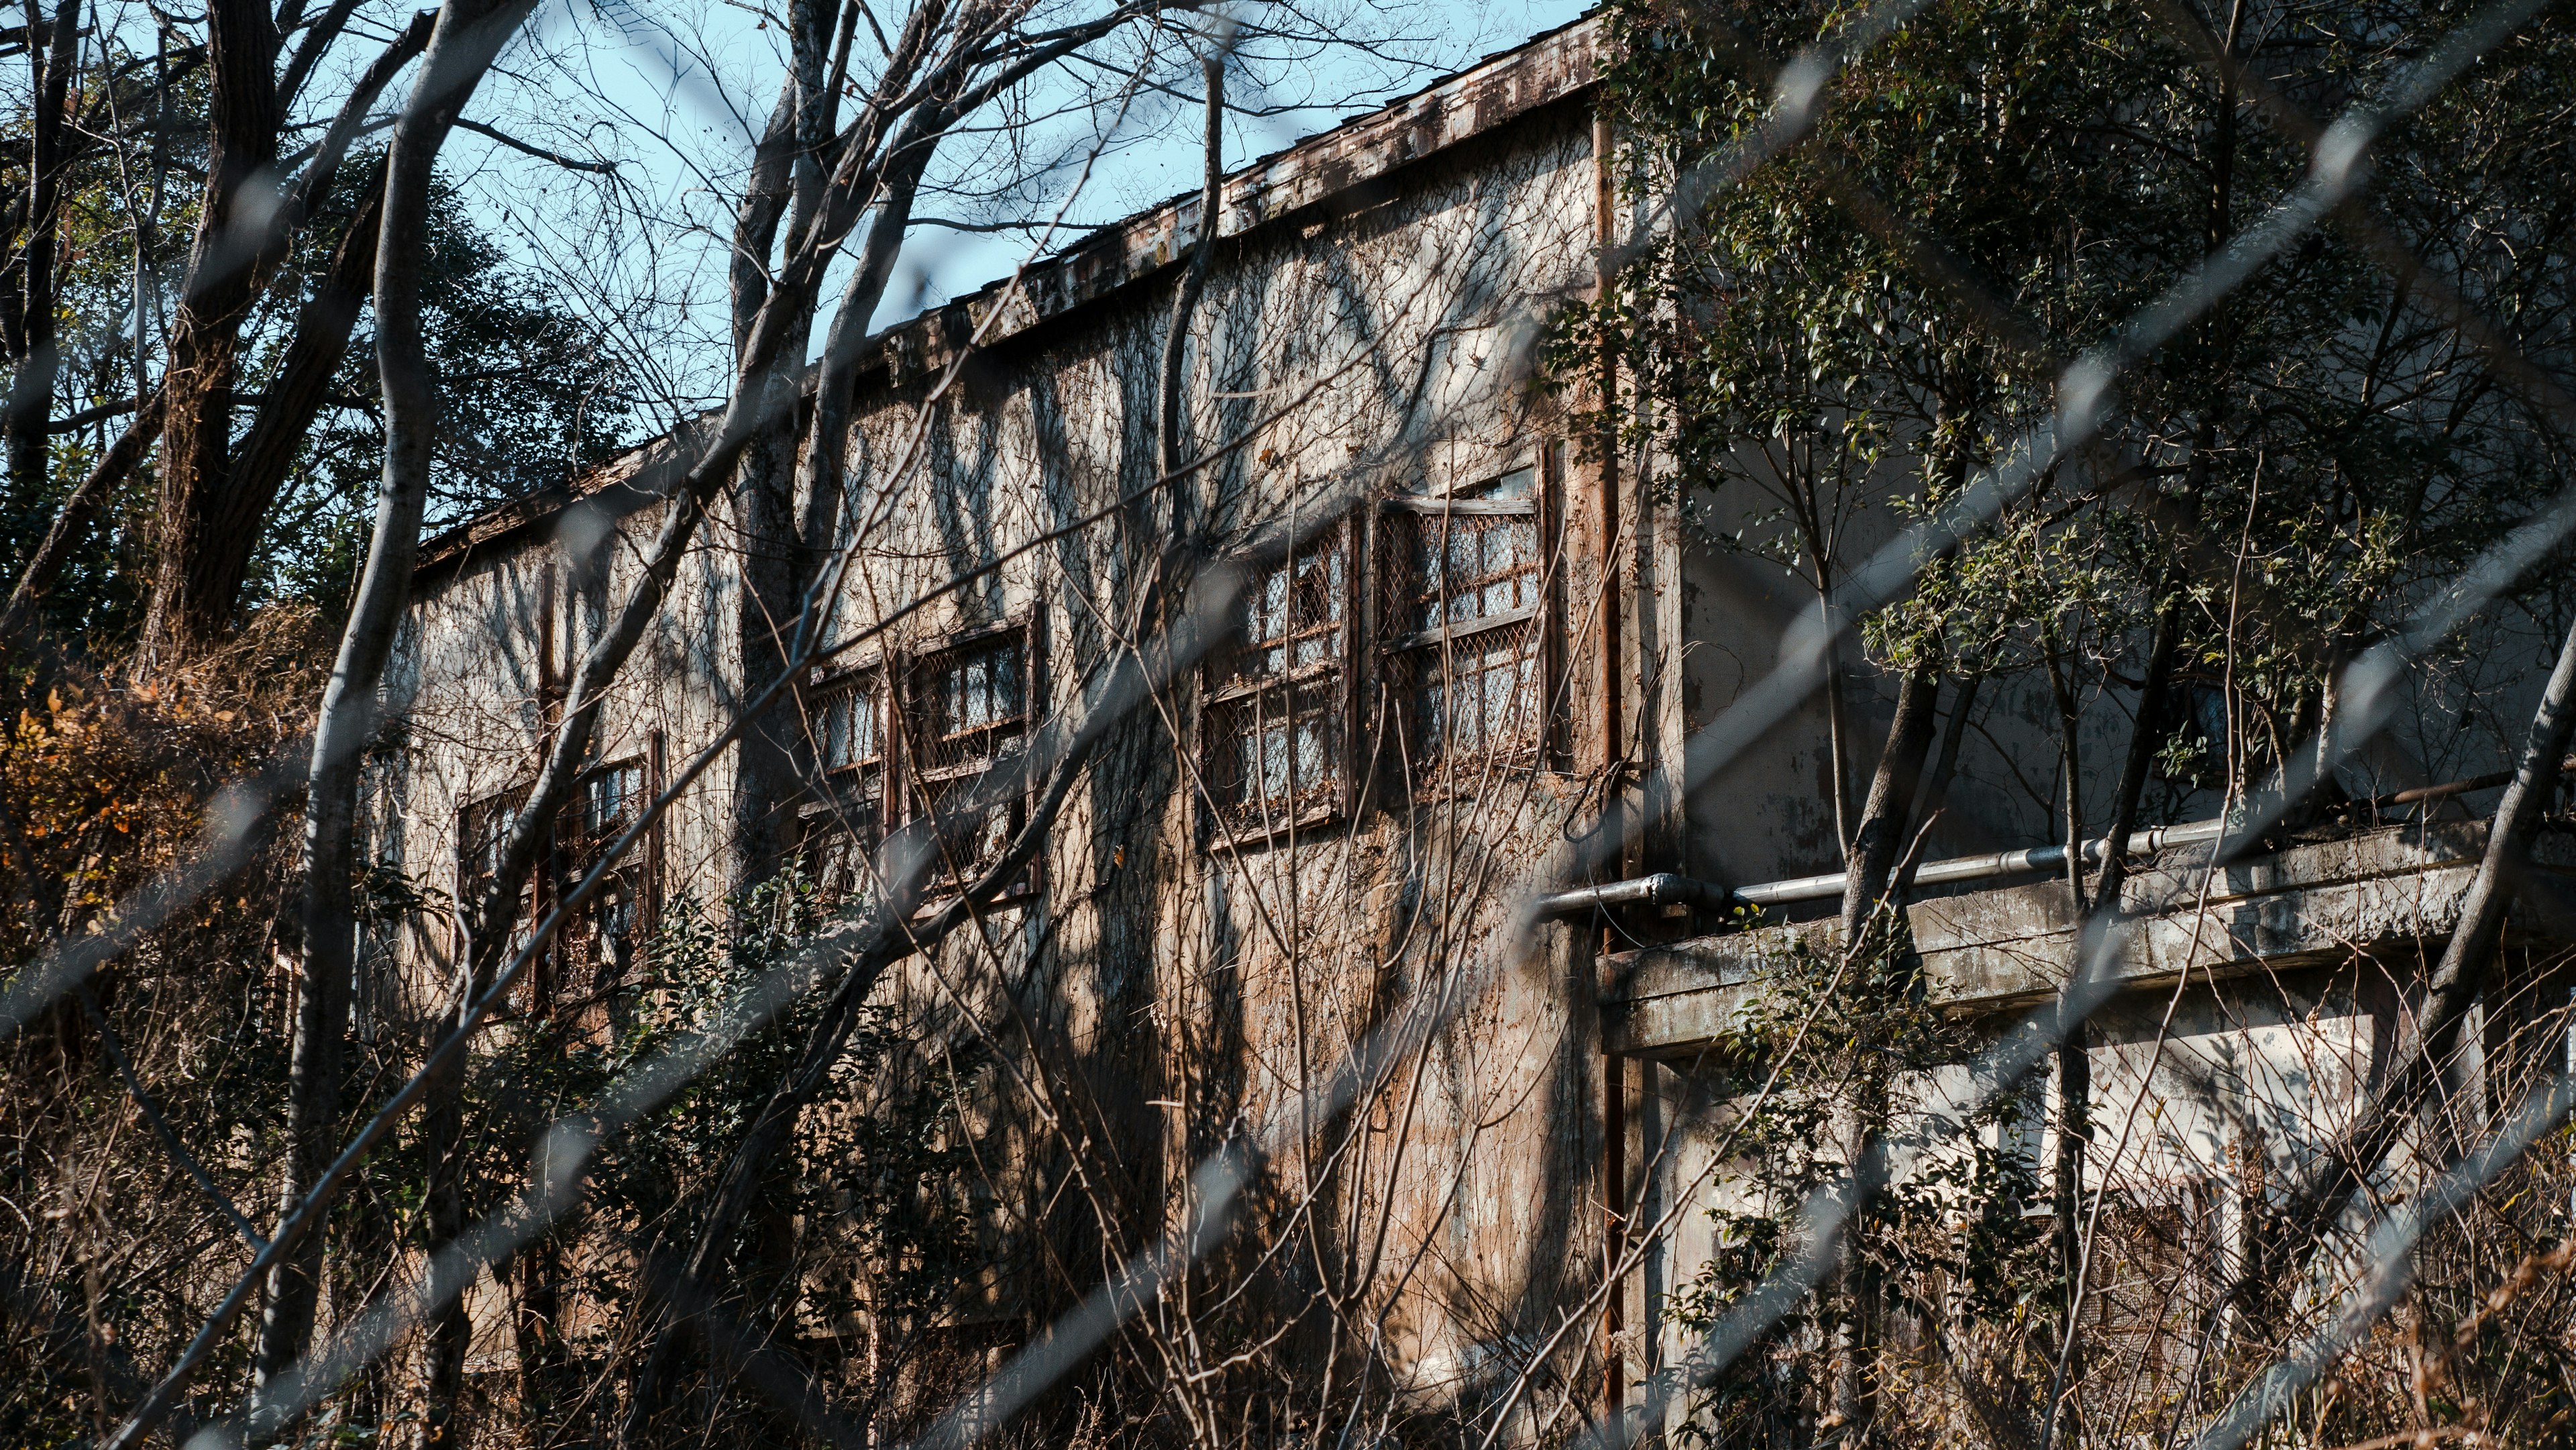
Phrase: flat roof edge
(1477, 101)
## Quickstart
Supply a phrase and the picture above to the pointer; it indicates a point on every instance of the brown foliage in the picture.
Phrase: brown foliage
(111, 1248)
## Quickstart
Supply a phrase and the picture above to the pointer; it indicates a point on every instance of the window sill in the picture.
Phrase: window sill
(1464, 629)
(1245, 687)
(941, 895)
(946, 774)
(1468, 784)
(1232, 839)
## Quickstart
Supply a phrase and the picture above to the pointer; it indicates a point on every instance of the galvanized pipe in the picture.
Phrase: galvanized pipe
(1664, 888)
(1661, 889)
(1978, 868)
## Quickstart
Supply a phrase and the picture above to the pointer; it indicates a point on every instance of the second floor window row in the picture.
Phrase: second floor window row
(1456, 654)
(1460, 651)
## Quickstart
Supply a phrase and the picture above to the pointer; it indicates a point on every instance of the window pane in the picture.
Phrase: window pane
(609, 798)
(974, 698)
(1294, 611)
(1471, 567)
(968, 836)
(1277, 754)
(1477, 699)
(835, 851)
(849, 731)
(836, 733)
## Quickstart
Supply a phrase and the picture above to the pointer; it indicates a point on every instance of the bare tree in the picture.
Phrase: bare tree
(459, 48)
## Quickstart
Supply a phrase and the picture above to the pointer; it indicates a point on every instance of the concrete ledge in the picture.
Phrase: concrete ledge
(1670, 1001)
(1999, 950)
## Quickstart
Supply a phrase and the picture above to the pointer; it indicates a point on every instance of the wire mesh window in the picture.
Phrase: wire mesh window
(833, 853)
(1276, 721)
(1295, 614)
(1472, 566)
(610, 798)
(970, 701)
(600, 946)
(968, 706)
(1463, 601)
(2156, 1264)
(849, 725)
(844, 820)
(481, 829)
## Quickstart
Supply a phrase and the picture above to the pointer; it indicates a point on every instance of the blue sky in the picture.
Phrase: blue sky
(670, 90)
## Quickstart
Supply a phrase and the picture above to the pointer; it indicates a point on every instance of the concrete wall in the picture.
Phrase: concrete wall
(1180, 989)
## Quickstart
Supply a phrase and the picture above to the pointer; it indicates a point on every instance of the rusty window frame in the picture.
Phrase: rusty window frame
(1289, 665)
(844, 818)
(1442, 625)
(481, 825)
(598, 951)
(951, 736)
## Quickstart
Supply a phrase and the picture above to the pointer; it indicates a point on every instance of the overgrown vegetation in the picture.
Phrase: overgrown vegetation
(1849, 343)
(1233, 1110)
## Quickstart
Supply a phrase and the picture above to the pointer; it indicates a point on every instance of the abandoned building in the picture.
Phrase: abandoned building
(1487, 645)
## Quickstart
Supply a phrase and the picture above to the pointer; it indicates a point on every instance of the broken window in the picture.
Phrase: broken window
(1465, 615)
(482, 834)
(2191, 733)
(844, 820)
(1278, 701)
(968, 704)
(596, 948)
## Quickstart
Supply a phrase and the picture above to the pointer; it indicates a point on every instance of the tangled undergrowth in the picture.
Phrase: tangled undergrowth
(109, 1252)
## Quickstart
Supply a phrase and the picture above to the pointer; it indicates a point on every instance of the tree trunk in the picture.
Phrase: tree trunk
(874, 944)
(467, 36)
(205, 334)
(1936, 786)
(764, 387)
(1838, 749)
(537, 1329)
(2132, 790)
(762, 829)
(2073, 1060)
(31, 392)
(72, 523)
(2074, 1065)
(785, 184)
(1870, 865)
(2427, 1042)
(294, 399)
(213, 503)
(690, 1291)
(1890, 804)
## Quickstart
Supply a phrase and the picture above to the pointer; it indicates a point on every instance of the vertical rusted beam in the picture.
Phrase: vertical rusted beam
(546, 881)
(1611, 685)
(1605, 472)
(657, 764)
(1614, 1191)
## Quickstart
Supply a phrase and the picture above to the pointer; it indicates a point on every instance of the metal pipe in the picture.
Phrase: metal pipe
(1664, 888)
(1977, 868)
(1661, 889)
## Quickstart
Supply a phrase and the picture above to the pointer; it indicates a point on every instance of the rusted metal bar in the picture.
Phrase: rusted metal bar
(2451, 788)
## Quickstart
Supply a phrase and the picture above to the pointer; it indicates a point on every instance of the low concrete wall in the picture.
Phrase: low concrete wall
(1988, 951)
